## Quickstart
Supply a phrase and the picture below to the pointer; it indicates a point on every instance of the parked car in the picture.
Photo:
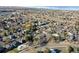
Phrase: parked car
(54, 50)
(21, 47)
(12, 45)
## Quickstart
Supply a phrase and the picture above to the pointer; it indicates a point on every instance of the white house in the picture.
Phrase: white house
(70, 36)
(55, 35)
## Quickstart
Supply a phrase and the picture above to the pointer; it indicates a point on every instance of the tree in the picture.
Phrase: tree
(29, 38)
(70, 49)
(78, 49)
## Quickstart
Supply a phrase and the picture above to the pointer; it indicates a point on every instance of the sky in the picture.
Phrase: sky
(39, 2)
(48, 4)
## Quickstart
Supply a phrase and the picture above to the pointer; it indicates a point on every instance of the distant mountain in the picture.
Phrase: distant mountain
(42, 7)
(59, 7)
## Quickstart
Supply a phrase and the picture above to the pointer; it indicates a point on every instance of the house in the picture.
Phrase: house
(1, 38)
(55, 35)
(54, 50)
(12, 37)
(43, 39)
(69, 36)
(12, 45)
